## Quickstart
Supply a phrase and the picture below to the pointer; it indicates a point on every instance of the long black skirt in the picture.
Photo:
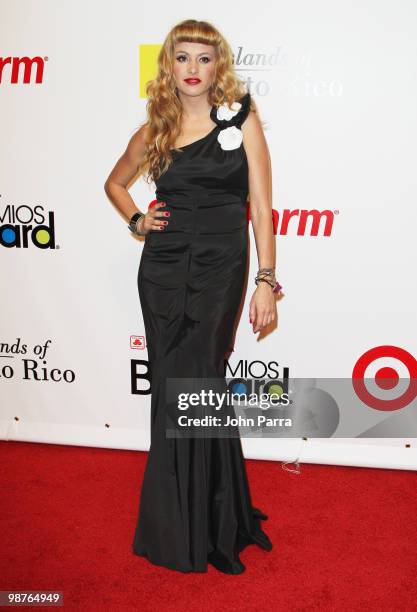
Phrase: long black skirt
(195, 504)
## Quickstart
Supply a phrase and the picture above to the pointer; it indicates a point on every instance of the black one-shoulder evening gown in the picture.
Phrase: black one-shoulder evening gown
(195, 505)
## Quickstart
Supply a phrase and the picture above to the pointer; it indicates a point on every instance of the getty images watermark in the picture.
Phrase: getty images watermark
(313, 407)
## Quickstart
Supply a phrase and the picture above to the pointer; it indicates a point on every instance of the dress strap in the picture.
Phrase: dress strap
(235, 116)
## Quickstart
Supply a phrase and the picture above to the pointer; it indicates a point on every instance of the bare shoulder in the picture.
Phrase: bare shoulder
(137, 144)
(254, 139)
(127, 165)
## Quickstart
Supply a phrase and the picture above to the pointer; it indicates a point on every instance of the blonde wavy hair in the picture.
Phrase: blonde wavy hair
(164, 108)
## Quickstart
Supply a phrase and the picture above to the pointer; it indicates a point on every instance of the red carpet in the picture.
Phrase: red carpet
(344, 538)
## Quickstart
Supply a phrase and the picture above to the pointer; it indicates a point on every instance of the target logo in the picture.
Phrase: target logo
(391, 373)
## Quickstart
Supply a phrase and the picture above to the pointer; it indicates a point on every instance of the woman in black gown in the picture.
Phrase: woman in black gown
(195, 504)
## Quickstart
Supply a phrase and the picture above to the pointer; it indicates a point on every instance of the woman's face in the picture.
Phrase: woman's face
(194, 67)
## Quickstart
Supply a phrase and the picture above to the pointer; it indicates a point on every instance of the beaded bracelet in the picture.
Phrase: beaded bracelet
(268, 272)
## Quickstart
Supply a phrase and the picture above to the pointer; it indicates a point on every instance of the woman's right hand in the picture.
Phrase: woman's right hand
(151, 219)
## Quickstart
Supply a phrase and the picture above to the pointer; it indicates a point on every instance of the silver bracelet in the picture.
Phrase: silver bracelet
(133, 223)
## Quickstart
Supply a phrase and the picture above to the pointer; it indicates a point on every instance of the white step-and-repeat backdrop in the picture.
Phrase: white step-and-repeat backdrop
(336, 86)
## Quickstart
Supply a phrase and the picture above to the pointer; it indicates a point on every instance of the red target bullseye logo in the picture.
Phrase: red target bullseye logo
(386, 377)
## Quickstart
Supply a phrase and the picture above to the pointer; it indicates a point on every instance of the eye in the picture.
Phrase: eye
(206, 58)
(181, 57)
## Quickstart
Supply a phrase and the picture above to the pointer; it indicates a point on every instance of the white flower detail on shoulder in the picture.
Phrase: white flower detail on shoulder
(225, 112)
(230, 138)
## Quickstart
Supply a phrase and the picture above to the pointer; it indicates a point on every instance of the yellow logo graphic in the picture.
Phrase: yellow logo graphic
(148, 55)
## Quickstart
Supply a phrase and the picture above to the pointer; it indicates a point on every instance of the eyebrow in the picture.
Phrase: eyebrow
(205, 52)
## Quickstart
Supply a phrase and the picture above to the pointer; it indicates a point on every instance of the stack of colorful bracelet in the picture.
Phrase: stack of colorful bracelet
(267, 275)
